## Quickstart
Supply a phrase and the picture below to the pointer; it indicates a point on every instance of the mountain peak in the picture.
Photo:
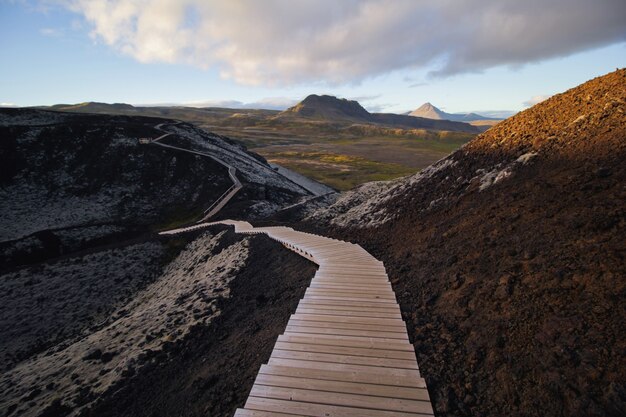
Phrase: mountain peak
(429, 111)
(329, 107)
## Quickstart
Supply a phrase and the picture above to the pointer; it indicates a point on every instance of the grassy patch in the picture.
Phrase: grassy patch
(344, 155)
(339, 170)
(180, 218)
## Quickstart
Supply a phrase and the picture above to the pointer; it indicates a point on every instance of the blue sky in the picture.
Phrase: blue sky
(53, 53)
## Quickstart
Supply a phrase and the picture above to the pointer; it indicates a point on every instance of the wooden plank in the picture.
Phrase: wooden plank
(365, 304)
(350, 293)
(333, 325)
(351, 282)
(397, 374)
(354, 313)
(319, 410)
(340, 259)
(326, 268)
(340, 298)
(307, 309)
(345, 387)
(348, 341)
(394, 309)
(353, 265)
(335, 248)
(345, 350)
(345, 285)
(345, 359)
(376, 277)
(348, 400)
(364, 285)
(377, 378)
(373, 280)
(346, 319)
(332, 282)
(355, 289)
(354, 269)
(242, 412)
(346, 332)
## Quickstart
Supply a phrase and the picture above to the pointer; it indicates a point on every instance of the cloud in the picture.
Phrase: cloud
(362, 99)
(268, 103)
(535, 99)
(496, 114)
(282, 42)
(379, 108)
(51, 32)
(8, 105)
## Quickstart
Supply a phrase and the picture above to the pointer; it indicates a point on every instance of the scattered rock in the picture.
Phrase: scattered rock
(93, 354)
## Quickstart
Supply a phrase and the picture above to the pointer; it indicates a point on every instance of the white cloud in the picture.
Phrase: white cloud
(535, 99)
(364, 99)
(268, 103)
(379, 108)
(497, 114)
(8, 105)
(286, 42)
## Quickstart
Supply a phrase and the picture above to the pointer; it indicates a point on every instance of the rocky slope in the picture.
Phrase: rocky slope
(508, 259)
(72, 181)
(92, 303)
(183, 339)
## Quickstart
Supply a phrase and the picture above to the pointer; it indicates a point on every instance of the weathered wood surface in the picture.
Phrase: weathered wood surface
(345, 351)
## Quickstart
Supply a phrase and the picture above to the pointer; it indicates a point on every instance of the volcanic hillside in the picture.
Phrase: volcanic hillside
(94, 305)
(508, 258)
(69, 179)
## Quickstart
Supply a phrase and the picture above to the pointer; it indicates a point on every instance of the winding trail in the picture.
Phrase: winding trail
(223, 199)
(345, 351)
(312, 187)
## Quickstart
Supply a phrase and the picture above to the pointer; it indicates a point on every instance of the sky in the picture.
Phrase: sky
(491, 57)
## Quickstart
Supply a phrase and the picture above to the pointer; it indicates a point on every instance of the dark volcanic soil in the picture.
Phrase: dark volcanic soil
(211, 371)
(514, 294)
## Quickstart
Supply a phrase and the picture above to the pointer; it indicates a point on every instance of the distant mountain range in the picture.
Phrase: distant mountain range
(314, 108)
(331, 108)
(428, 111)
(94, 107)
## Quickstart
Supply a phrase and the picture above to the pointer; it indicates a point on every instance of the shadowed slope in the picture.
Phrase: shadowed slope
(509, 257)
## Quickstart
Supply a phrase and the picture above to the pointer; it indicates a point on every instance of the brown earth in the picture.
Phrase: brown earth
(514, 293)
(211, 371)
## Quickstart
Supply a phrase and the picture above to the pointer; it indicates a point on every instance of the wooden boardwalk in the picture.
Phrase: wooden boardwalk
(345, 351)
(223, 199)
